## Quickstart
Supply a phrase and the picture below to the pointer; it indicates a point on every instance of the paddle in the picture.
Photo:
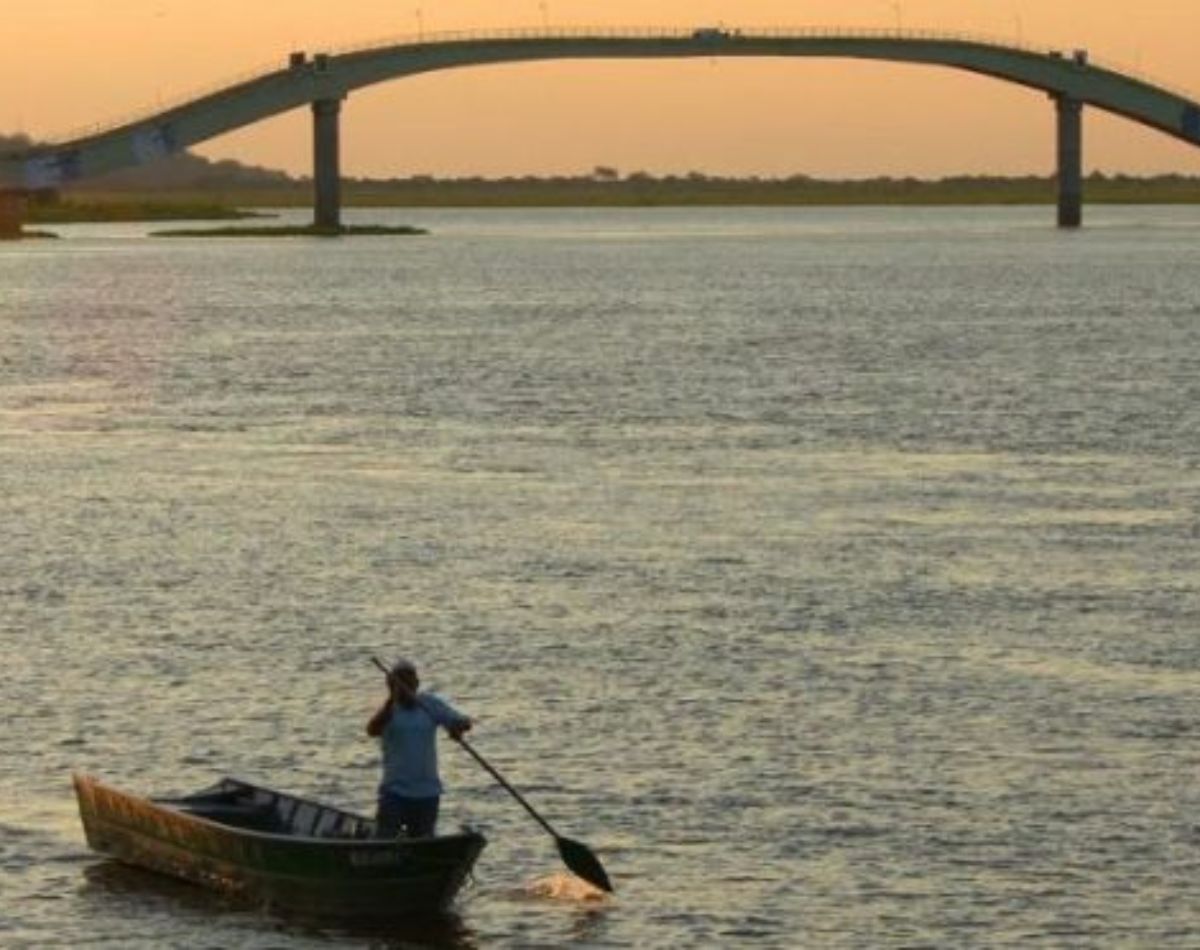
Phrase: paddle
(576, 855)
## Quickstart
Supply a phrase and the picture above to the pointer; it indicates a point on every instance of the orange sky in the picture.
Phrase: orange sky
(69, 63)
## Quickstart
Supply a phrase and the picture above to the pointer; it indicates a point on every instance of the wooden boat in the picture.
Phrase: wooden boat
(277, 850)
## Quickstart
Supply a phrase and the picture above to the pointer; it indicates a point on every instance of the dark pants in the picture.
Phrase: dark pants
(414, 817)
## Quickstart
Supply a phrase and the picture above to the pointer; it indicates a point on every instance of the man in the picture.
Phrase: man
(406, 724)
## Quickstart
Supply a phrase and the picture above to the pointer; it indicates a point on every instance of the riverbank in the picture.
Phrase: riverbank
(27, 235)
(632, 191)
(118, 207)
(698, 190)
(283, 230)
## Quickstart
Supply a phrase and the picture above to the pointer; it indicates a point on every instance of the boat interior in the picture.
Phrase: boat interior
(242, 805)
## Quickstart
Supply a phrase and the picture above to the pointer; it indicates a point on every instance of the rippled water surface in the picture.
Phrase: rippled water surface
(833, 574)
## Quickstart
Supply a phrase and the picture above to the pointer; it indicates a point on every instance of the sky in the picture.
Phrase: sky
(70, 63)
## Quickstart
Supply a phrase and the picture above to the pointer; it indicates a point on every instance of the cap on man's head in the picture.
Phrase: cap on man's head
(404, 666)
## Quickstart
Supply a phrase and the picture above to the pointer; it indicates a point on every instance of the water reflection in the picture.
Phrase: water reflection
(127, 891)
(123, 888)
(445, 932)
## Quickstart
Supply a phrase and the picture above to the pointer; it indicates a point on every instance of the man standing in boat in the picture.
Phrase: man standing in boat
(406, 725)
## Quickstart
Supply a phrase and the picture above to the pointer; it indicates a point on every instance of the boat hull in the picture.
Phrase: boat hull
(251, 853)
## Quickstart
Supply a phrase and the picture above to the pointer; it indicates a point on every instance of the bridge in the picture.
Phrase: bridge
(323, 81)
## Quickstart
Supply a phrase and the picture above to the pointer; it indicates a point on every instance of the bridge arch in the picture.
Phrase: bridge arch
(324, 80)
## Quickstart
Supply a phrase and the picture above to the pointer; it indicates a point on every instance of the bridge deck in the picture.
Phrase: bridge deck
(333, 76)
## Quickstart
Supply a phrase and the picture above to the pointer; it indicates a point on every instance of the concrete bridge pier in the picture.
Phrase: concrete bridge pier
(1070, 161)
(327, 171)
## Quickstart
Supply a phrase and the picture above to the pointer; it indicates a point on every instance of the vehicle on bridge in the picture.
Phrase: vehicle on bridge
(712, 34)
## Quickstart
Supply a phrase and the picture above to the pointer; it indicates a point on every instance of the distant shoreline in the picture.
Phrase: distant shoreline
(302, 230)
(115, 207)
(636, 191)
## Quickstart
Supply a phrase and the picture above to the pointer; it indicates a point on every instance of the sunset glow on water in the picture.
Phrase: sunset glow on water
(832, 574)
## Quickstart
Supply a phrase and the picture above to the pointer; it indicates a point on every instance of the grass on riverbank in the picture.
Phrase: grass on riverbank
(129, 208)
(309, 230)
(25, 234)
(792, 192)
(634, 191)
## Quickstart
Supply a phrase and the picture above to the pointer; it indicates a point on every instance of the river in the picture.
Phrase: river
(832, 573)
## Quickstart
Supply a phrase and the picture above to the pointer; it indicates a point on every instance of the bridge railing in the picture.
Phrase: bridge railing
(429, 38)
(911, 34)
(714, 33)
(176, 101)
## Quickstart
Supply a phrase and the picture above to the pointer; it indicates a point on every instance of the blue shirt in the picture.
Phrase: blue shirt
(409, 742)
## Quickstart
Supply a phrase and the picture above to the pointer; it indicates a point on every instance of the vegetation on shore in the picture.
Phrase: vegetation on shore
(596, 190)
(190, 187)
(310, 230)
(27, 235)
(605, 188)
(53, 208)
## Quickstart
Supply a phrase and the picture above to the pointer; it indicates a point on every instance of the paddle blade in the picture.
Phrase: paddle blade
(579, 858)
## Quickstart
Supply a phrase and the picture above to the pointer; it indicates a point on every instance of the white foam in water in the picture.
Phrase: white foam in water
(564, 887)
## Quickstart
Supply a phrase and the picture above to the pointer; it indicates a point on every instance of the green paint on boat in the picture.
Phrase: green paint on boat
(278, 850)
